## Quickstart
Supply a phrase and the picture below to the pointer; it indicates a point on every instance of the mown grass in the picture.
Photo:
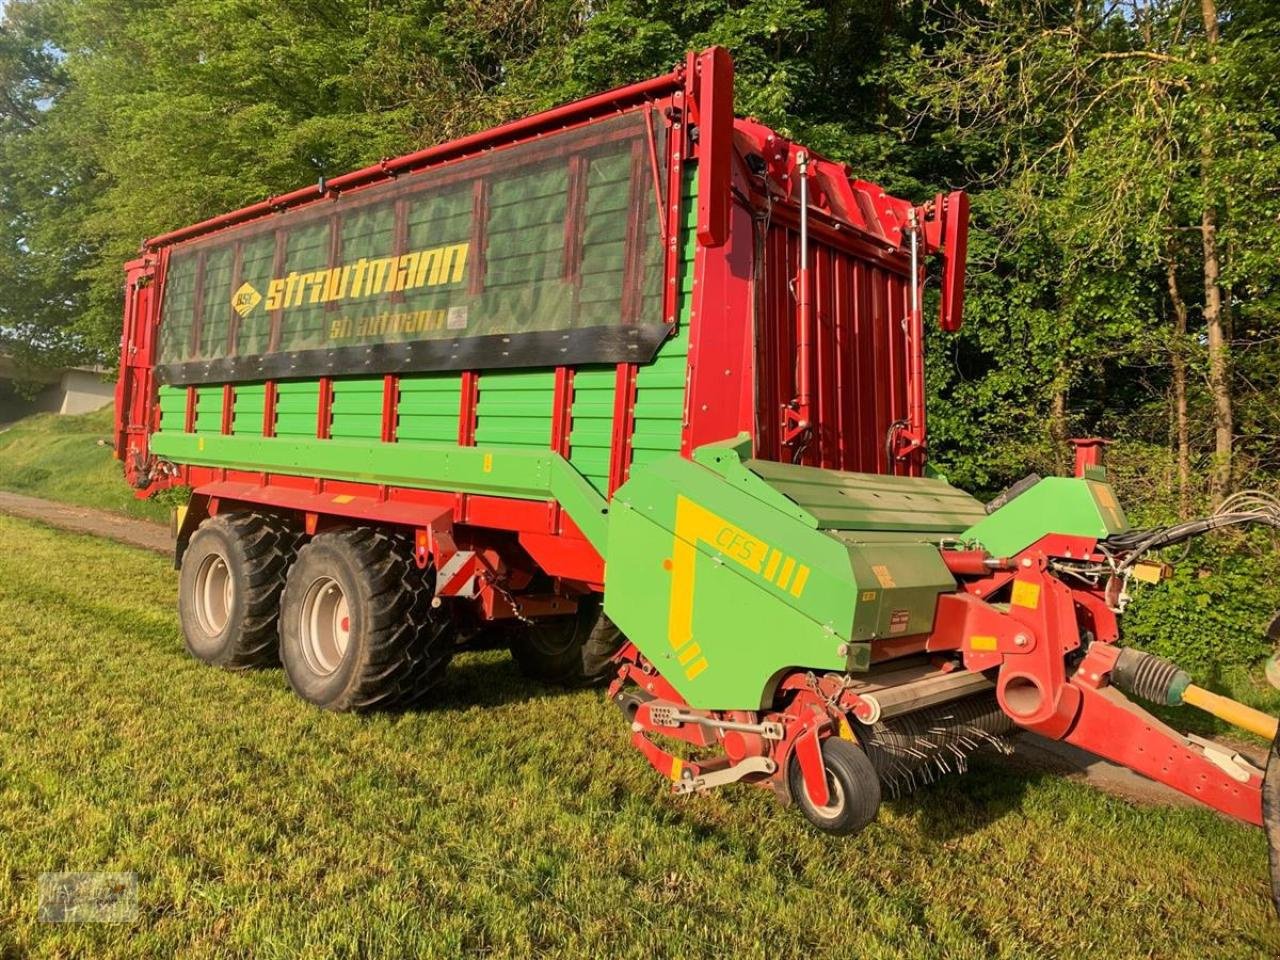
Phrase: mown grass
(511, 820)
(69, 459)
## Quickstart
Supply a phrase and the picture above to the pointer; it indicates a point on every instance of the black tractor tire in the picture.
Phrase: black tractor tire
(233, 573)
(357, 626)
(572, 651)
(852, 783)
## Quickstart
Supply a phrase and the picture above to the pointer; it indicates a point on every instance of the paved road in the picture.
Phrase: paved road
(1030, 751)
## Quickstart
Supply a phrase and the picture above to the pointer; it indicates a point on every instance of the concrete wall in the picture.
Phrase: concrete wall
(84, 391)
(73, 391)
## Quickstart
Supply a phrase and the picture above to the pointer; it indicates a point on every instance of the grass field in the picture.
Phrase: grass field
(69, 459)
(511, 820)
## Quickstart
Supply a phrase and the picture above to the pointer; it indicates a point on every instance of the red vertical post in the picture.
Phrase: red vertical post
(390, 405)
(624, 406)
(470, 397)
(269, 409)
(324, 409)
(715, 144)
(228, 408)
(189, 423)
(1090, 454)
(562, 411)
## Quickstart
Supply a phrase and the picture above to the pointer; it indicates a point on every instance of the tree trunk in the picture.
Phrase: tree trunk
(1181, 427)
(1219, 361)
(1058, 430)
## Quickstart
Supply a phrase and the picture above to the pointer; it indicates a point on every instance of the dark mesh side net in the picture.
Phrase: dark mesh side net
(548, 252)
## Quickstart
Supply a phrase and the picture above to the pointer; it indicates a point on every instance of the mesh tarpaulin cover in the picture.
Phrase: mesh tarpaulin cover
(548, 252)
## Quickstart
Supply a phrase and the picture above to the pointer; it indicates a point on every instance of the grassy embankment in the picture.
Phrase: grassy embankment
(69, 459)
(510, 820)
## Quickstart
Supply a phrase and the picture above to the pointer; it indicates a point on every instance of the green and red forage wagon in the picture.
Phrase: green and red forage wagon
(637, 386)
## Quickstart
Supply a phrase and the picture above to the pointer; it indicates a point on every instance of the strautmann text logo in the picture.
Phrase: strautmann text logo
(433, 267)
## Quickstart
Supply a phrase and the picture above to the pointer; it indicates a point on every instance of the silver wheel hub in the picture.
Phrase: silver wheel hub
(215, 594)
(326, 626)
(835, 800)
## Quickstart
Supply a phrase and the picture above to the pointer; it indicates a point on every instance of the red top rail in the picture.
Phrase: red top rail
(616, 99)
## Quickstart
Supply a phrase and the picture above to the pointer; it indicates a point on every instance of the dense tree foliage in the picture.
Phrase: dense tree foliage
(1122, 156)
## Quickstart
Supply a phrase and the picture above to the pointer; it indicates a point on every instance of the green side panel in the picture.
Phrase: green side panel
(246, 414)
(499, 471)
(742, 628)
(1066, 505)
(660, 385)
(591, 435)
(209, 409)
(357, 409)
(429, 407)
(726, 586)
(173, 408)
(297, 408)
(515, 408)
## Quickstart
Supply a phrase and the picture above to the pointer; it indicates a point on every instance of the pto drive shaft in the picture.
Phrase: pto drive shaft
(1155, 679)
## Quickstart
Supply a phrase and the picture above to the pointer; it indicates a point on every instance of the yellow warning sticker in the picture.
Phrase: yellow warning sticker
(487, 465)
(868, 596)
(982, 642)
(343, 498)
(884, 576)
(1026, 594)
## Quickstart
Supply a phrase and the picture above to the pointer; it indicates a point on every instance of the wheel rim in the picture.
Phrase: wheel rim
(835, 798)
(215, 594)
(326, 626)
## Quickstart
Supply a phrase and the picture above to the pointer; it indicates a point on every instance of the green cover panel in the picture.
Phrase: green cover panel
(209, 410)
(1066, 505)
(173, 408)
(591, 436)
(297, 408)
(660, 384)
(429, 407)
(515, 408)
(249, 403)
(357, 409)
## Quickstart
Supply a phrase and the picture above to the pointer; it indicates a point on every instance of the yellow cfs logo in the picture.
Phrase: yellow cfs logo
(433, 267)
(696, 524)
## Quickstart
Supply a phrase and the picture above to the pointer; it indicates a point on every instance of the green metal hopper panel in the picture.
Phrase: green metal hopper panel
(839, 500)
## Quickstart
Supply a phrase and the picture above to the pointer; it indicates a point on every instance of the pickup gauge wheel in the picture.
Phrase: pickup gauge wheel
(853, 789)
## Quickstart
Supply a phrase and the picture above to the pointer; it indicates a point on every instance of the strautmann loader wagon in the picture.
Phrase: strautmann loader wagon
(638, 386)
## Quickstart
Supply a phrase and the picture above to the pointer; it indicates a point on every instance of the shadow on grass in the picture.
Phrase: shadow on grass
(488, 678)
(960, 803)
